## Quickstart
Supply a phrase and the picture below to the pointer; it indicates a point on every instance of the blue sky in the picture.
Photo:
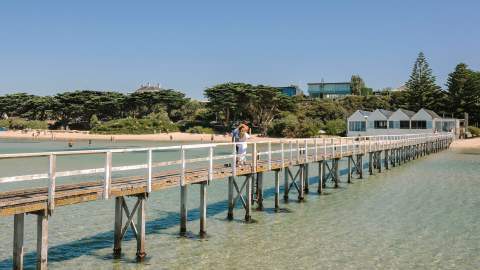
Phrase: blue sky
(53, 46)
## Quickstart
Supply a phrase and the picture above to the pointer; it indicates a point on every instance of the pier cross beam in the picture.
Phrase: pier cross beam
(296, 180)
(241, 192)
(137, 229)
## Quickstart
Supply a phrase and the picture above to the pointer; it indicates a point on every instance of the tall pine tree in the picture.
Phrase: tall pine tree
(457, 83)
(422, 92)
(464, 92)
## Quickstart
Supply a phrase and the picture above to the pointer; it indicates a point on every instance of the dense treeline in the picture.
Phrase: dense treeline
(266, 108)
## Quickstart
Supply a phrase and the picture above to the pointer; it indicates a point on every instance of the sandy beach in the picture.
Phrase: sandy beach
(467, 143)
(72, 136)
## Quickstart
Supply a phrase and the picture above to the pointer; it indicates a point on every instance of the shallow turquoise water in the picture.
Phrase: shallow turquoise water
(422, 215)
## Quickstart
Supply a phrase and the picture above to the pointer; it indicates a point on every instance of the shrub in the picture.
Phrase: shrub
(289, 125)
(335, 127)
(200, 130)
(474, 130)
(20, 124)
(157, 122)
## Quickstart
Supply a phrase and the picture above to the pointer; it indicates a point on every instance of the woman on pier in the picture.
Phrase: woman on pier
(242, 147)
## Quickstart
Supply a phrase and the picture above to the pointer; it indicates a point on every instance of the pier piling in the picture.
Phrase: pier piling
(203, 209)
(18, 233)
(42, 240)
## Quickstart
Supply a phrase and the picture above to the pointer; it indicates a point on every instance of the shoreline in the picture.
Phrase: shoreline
(160, 137)
(163, 137)
(466, 143)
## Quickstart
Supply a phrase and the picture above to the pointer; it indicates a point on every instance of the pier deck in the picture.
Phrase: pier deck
(276, 156)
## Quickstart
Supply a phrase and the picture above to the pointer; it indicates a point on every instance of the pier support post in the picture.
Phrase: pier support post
(320, 177)
(393, 157)
(370, 163)
(301, 192)
(360, 166)
(285, 182)
(248, 206)
(277, 190)
(349, 175)
(306, 176)
(183, 209)
(42, 240)
(141, 228)
(117, 229)
(230, 198)
(203, 209)
(335, 171)
(379, 161)
(324, 179)
(18, 233)
(386, 159)
(260, 191)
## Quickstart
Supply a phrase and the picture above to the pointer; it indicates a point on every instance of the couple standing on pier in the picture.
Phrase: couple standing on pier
(240, 135)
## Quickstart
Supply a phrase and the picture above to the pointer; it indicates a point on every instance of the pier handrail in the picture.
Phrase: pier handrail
(305, 149)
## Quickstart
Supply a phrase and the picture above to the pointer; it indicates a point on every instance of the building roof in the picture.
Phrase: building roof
(407, 112)
(364, 113)
(387, 113)
(432, 113)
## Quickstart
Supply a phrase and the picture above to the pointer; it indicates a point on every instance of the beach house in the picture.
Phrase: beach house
(384, 122)
(399, 121)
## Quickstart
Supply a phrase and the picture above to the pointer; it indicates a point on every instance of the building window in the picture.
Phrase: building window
(421, 124)
(394, 124)
(356, 126)
(380, 124)
(404, 124)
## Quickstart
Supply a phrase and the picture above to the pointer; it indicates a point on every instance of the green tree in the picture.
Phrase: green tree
(322, 109)
(144, 103)
(263, 103)
(224, 99)
(422, 92)
(357, 84)
(336, 127)
(78, 107)
(367, 103)
(464, 92)
(94, 121)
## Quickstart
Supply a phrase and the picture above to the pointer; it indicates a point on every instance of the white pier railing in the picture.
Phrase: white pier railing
(285, 151)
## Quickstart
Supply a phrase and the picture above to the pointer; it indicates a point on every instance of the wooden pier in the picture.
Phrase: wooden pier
(292, 158)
